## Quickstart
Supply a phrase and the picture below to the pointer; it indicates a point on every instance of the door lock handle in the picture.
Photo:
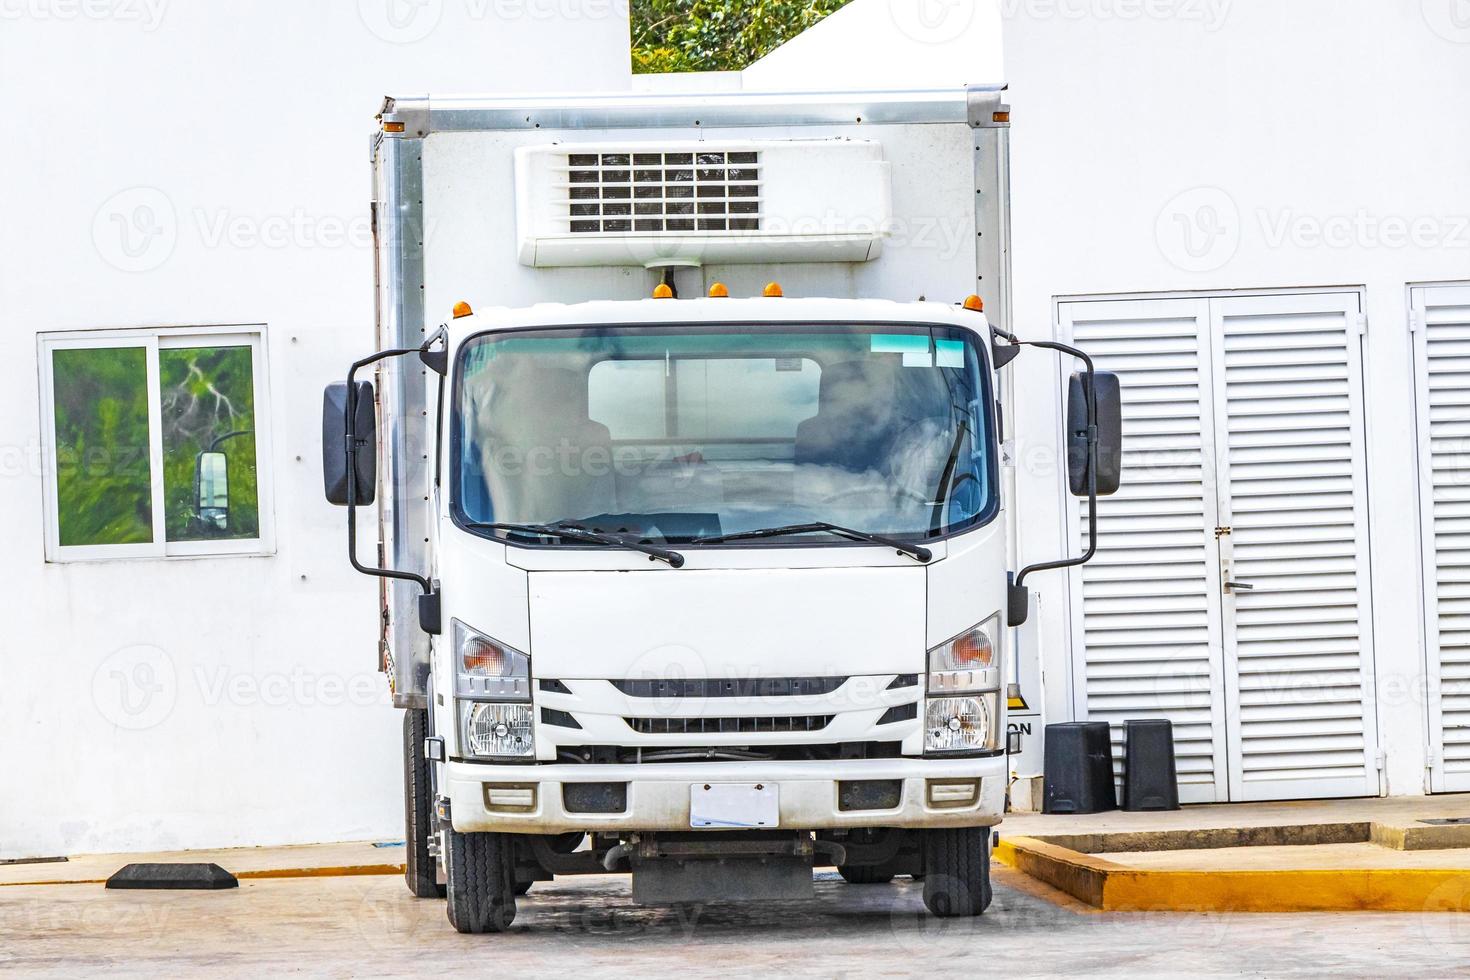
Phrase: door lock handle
(1231, 587)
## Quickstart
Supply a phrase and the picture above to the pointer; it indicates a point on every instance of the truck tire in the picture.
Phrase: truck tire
(957, 871)
(864, 875)
(419, 867)
(481, 873)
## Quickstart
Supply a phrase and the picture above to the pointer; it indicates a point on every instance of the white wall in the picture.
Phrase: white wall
(263, 719)
(890, 44)
(1338, 115)
(209, 702)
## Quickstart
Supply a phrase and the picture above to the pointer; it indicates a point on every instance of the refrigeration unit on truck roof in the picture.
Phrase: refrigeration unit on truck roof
(696, 202)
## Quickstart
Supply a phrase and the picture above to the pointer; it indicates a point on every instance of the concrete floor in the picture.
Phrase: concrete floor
(356, 857)
(369, 925)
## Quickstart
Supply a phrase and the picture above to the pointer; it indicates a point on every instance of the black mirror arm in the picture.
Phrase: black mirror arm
(352, 450)
(436, 360)
(1002, 355)
(215, 443)
(1018, 599)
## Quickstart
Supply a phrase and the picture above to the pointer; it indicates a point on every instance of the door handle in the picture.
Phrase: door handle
(1233, 587)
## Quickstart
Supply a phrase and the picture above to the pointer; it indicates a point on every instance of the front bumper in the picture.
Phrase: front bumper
(658, 795)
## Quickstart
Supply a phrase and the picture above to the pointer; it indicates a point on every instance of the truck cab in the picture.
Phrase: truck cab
(721, 544)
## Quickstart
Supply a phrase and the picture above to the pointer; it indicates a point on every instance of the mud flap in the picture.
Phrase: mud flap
(722, 868)
(666, 881)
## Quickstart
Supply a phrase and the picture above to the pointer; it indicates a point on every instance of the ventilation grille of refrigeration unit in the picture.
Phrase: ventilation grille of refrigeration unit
(697, 202)
(663, 192)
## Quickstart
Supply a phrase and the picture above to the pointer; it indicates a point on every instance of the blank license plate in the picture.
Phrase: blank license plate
(734, 805)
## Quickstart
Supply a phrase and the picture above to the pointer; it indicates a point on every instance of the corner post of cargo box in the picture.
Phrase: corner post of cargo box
(404, 538)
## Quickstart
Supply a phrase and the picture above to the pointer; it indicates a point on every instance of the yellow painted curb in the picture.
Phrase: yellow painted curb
(1113, 887)
(1337, 890)
(325, 872)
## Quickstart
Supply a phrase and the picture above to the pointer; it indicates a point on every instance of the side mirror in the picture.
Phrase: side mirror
(1109, 434)
(212, 489)
(334, 443)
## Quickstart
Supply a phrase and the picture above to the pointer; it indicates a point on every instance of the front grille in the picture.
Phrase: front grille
(741, 687)
(732, 726)
(652, 191)
(606, 755)
(899, 712)
(561, 719)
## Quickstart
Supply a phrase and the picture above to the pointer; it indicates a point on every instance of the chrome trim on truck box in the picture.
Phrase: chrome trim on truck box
(420, 116)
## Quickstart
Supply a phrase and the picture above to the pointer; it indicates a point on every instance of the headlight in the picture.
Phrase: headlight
(962, 713)
(961, 724)
(492, 687)
(493, 730)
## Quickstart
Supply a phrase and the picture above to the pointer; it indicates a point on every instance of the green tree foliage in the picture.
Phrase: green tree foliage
(208, 403)
(103, 490)
(104, 476)
(717, 35)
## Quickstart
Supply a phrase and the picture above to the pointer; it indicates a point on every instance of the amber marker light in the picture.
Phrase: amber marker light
(719, 291)
(662, 291)
(480, 656)
(462, 309)
(973, 650)
(773, 289)
(974, 303)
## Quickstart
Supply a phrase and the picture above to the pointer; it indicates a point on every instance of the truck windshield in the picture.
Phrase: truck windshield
(679, 433)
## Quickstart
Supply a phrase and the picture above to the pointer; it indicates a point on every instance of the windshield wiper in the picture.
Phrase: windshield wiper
(946, 478)
(912, 550)
(575, 532)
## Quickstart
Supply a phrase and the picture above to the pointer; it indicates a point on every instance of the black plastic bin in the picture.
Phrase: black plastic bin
(1079, 768)
(1150, 781)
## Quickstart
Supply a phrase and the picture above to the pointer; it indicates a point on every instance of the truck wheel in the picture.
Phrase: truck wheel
(481, 873)
(863, 876)
(418, 808)
(957, 871)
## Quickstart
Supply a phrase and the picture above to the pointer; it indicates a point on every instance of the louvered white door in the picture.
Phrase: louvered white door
(1441, 321)
(1292, 494)
(1145, 611)
(1243, 467)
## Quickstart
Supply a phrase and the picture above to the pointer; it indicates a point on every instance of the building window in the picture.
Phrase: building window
(155, 443)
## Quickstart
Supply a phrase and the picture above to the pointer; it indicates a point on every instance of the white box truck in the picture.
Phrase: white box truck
(693, 526)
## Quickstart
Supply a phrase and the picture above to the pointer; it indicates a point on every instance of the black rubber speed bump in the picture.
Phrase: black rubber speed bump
(198, 876)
